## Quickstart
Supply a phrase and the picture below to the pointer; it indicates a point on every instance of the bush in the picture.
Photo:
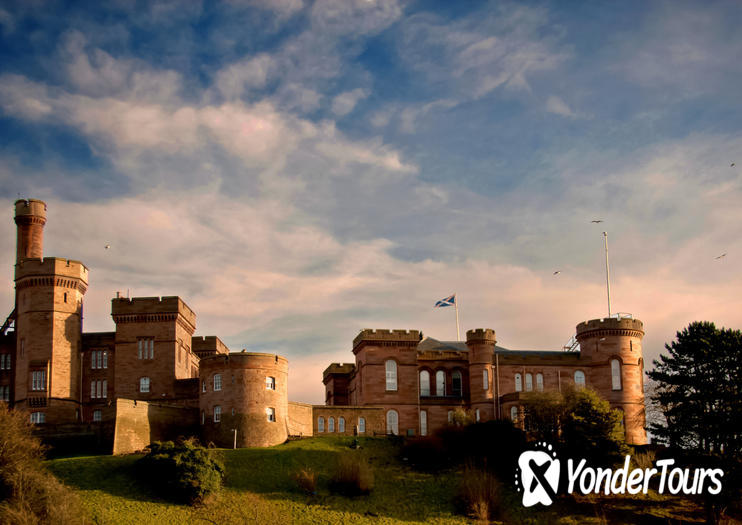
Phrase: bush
(185, 472)
(426, 453)
(480, 494)
(28, 492)
(353, 476)
(306, 479)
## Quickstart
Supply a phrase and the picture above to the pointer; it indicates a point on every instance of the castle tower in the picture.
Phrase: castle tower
(49, 294)
(612, 350)
(481, 343)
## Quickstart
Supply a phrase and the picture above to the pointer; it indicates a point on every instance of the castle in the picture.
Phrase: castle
(152, 378)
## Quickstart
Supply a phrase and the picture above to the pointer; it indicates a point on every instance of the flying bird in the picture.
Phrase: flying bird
(108, 246)
(732, 165)
(597, 221)
(721, 256)
(557, 272)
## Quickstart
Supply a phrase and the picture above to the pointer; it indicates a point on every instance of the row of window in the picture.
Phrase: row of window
(425, 390)
(4, 361)
(99, 389)
(341, 424)
(146, 348)
(216, 383)
(98, 359)
(38, 380)
(270, 414)
(539, 382)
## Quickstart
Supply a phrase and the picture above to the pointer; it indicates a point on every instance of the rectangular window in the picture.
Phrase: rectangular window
(217, 382)
(38, 418)
(361, 425)
(92, 390)
(5, 392)
(146, 348)
(270, 383)
(4, 361)
(486, 379)
(144, 384)
(217, 414)
(97, 415)
(38, 380)
(203, 386)
(270, 414)
(105, 358)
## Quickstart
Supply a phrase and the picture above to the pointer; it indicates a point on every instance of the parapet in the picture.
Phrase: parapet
(207, 345)
(244, 360)
(338, 369)
(26, 209)
(137, 306)
(372, 335)
(481, 335)
(621, 326)
(51, 266)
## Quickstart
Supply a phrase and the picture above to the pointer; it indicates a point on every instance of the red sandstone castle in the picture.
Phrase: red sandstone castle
(152, 378)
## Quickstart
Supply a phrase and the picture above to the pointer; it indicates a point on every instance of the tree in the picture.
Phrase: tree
(699, 390)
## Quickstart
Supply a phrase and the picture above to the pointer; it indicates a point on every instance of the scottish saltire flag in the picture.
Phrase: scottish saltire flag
(448, 301)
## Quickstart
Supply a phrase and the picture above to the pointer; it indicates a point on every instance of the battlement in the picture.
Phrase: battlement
(243, 358)
(338, 368)
(122, 306)
(369, 334)
(621, 325)
(481, 335)
(206, 345)
(27, 208)
(51, 266)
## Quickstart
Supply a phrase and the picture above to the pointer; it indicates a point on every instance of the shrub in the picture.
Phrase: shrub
(425, 453)
(353, 476)
(480, 494)
(28, 492)
(183, 471)
(306, 479)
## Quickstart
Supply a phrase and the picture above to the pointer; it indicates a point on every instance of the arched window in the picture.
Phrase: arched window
(392, 422)
(514, 414)
(580, 379)
(616, 374)
(440, 383)
(217, 382)
(341, 424)
(320, 424)
(456, 383)
(361, 425)
(424, 383)
(476, 415)
(540, 382)
(450, 416)
(529, 382)
(144, 384)
(423, 423)
(331, 424)
(486, 379)
(518, 383)
(391, 375)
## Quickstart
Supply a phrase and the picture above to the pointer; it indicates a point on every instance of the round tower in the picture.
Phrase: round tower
(612, 350)
(245, 391)
(481, 343)
(30, 217)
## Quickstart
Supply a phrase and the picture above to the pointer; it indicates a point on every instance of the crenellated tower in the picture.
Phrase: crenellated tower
(49, 294)
(612, 351)
(481, 343)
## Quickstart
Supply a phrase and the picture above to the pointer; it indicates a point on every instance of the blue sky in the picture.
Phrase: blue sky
(299, 170)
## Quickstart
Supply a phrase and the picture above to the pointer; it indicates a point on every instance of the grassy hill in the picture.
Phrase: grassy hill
(259, 488)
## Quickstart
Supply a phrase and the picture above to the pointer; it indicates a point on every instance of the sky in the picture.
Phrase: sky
(299, 170)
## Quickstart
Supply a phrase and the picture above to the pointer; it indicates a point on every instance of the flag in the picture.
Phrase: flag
(448, 301)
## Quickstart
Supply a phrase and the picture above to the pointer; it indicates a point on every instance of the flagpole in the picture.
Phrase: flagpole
(607, 272)
(458, 333)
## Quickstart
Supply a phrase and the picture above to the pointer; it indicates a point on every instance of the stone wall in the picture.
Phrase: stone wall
(139, 423)
(300, 419)
(374, 416)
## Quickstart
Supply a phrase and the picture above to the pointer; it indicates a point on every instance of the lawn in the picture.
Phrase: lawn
(259, 489)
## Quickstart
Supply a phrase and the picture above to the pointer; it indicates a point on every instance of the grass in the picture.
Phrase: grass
(261, 487)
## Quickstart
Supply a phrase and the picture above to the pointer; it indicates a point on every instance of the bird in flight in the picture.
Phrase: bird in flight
(721, 256)
(557, 272)
(732, 165)
(108, 246)
(597, 221)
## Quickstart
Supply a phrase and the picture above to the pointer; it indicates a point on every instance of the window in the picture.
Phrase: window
(270, 383)
(486, 379)
(5, 393)
(456, 383)
(579, 379)
(440, 383)
(217, 413)
(540, 382)
(391, 375)
(341, 424)
(392, 422)
(4, 361)
(270, 413)
(361, 425)
(38, 380)
(97, 415)
(38, 418)
(98, 389)
(529, 382)
(203, 386)
(424, 383)
(233, 411)
(146, 348)
(144, 384)
(65, 297)
(450, 416)
(476, 415)
(423, 423)
(616, 374)
(518, 383)
(320, 424)
(514, 414)
(217, 382)
(331, 424)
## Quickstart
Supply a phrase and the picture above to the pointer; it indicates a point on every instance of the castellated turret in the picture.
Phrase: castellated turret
(49, 294)
(612, 350)
(481, 343)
